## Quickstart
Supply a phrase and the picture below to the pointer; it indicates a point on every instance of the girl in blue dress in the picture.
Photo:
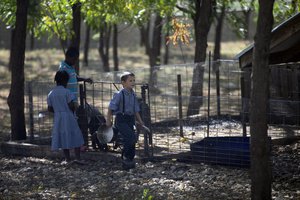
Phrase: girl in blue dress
(66, 133)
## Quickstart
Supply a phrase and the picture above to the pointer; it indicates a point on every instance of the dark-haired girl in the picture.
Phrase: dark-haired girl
(66, 133)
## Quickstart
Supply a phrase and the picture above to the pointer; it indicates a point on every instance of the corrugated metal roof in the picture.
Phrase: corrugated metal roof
(284, 47)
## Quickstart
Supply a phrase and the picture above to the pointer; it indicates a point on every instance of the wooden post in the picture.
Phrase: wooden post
(145, 117)
(243, 112)
(208, 98)
(31, 121)
(180, 122)
(217, 68)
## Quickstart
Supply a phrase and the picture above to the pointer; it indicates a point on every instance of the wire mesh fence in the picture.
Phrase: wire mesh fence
(223, 116)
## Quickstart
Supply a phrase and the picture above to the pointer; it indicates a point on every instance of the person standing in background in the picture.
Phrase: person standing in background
(71, 57)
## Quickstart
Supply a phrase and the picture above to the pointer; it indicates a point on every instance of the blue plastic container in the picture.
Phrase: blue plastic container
(230, 151)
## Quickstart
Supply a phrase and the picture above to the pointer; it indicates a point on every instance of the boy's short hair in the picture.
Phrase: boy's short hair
(125, 75)
(61, 76)
(72, 52)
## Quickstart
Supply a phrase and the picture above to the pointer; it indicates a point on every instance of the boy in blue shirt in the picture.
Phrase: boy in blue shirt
(71, 57)
(124, 105)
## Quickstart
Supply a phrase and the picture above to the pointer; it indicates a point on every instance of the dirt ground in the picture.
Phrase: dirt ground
(42, 178)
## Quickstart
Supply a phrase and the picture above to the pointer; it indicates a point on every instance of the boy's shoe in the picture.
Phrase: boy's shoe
(80, 162)
(103, 147)
(128, 164)
(66, 163)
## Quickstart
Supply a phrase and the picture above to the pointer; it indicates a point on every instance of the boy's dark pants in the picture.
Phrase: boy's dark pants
(125, 125)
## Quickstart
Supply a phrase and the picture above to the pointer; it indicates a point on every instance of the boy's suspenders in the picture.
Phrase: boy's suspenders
(123, 103)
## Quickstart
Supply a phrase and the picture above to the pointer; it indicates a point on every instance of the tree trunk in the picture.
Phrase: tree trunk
(167, 52)
(32, 39)
(142, 36)
(75, 41)
(247, 15)
(202, 22)
(86, 45)
(144, 33)
(260, 146)
(15, 98)
(115, 47)
(166, 55)
(217, 54)
(104, 46)
(218, 36)
(145, 41)
(12, 42)
(154, 54)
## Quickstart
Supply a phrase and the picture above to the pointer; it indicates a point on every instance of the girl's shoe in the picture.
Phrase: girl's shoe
(83, 148)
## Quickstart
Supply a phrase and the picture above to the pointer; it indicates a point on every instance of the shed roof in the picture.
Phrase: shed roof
(284, 46)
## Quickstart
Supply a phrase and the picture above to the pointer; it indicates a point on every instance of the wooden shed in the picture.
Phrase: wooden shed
(284, 67)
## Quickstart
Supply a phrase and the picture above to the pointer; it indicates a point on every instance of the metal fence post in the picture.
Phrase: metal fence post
(82, 115)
